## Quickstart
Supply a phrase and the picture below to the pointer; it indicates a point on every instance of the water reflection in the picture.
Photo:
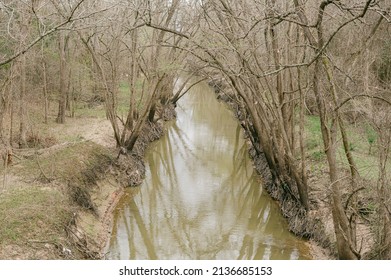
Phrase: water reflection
(201, 198)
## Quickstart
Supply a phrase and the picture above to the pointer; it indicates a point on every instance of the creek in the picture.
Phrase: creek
(201, 198)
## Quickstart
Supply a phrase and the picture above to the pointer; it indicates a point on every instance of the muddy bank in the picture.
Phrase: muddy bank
(58, 198)
(304, 224)
(308, 225)
(127, 170)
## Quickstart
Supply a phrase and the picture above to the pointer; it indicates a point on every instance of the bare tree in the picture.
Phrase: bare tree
(145, 65)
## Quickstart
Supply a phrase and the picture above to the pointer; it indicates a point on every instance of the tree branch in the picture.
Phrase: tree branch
(361, 95)
(69, 19)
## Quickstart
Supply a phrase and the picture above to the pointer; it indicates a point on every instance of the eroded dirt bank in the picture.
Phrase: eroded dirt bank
(58, 196)
(127, 170)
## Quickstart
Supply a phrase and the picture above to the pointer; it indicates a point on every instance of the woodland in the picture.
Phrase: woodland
(309, 81)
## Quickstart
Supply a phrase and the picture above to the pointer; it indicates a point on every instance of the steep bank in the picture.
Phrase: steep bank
(57, 196)
(316, 224)
(48, 185)
(313, 225)
(126, 170)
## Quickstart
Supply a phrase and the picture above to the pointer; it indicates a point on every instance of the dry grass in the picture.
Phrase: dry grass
(32, 222)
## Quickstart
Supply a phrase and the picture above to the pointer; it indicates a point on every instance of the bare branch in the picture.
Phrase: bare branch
(361, 95)
(68, 20)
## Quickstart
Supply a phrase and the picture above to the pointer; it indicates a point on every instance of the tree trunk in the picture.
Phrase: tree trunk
(5, 99)
(152, 111)
(45, 91)
(63, 79)
(383, 192)
(22, 104)
(352, 164)
(342, 230)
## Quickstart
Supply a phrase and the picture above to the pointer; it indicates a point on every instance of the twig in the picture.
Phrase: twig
(42, 172)
(5, 173)
(351, 195)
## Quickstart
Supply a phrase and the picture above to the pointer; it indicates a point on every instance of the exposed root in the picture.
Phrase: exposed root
(81, 196)
(130, 168)
(168, 112)
(79, 240)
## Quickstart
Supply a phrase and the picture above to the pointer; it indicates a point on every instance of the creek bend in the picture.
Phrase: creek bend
(201, 198)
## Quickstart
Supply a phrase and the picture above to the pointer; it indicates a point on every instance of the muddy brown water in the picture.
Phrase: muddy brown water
(201, 198)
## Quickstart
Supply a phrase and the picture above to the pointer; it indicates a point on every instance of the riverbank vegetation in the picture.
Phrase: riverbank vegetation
(309, 82)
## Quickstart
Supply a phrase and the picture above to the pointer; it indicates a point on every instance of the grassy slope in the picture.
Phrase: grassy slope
(42, 196)
(32, 223)
(38, 206)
